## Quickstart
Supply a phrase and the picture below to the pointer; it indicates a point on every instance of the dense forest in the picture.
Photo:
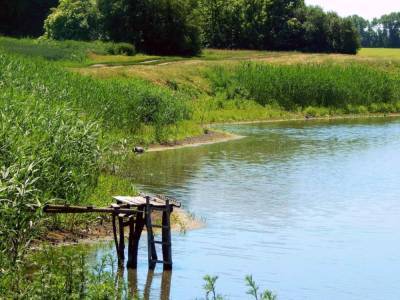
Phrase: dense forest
(380, 32)
(184, 27)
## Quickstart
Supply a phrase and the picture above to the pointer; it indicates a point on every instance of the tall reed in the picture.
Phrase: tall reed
(302, 85)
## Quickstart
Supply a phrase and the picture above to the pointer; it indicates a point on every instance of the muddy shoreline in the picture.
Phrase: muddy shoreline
(214, 137)
(181, 221)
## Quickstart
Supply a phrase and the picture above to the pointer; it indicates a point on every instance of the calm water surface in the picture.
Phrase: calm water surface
(310, 209)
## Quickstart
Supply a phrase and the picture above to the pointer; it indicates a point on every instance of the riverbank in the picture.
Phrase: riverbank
(181, 222)
(214, 137)
(208, 138)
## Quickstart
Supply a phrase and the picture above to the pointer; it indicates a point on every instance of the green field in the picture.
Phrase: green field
(386, 53)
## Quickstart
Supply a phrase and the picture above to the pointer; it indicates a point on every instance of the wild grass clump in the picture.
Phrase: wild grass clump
(125, 104)
(71, 51)
(64, 274)
(62, 148)
(309, 85)
(47, 154)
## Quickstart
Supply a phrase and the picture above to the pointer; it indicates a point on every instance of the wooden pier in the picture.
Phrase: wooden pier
(134, 213)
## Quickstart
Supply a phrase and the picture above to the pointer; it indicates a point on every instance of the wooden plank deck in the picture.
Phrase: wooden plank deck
(142, 200)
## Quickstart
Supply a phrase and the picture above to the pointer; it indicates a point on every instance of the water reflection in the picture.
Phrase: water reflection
(149, 288)
(165, 288)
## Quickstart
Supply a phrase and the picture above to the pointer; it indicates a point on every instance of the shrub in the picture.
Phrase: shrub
(73, 20)
(62, 148)
(121, 49)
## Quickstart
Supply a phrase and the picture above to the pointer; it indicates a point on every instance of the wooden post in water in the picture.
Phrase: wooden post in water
(135, 231)
(166, 237)
(151, 247)
(135, 213)
(121, 246)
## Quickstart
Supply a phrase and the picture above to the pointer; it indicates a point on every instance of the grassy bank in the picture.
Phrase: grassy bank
(145, 100)
(70, 112)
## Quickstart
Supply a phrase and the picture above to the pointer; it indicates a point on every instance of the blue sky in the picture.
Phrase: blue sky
(365, 8)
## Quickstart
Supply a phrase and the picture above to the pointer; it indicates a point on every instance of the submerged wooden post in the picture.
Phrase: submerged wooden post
(121, 246)
(166, 237)
(135, 231)
(151, 247)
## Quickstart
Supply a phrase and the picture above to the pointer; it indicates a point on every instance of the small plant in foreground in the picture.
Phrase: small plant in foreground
(254, 290)
(210, 288)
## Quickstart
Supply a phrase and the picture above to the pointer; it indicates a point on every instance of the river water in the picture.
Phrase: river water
(310, 209)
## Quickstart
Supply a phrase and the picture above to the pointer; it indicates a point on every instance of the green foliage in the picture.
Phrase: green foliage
(254, 290)
(62, 148)
(71, 51)
(158, 27)
(126, 104)
(211, 294)
(73, 20)
(19, 211)
(22, 18)
(299, 86)
(210, 288)
(274, 25)
(380, 32)
(121, 49)
(66, 276)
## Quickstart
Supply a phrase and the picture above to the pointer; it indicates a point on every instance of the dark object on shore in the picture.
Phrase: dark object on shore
(138, 150)
(134, 213)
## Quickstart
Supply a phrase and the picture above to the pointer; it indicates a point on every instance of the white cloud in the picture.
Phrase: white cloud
(368, 9)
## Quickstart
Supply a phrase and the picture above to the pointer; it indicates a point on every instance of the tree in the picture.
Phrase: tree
(73, 20)
(154, 26)
(24, 17)
(350, 40)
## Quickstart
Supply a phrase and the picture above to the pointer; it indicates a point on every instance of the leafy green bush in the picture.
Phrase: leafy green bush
(46, 154)
(121, 49)
(73, 20)
(19, 211)
(62, 148)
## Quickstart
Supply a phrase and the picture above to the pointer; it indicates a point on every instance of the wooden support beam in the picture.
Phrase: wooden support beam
(135, 232)
(151, 248)
(135, 213)
(64, 209)
(114, 226)
(166, 237)
(121, 245)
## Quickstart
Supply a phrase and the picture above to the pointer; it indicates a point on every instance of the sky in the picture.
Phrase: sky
(368, 9)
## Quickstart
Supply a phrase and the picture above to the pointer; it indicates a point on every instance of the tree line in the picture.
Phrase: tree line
(184, 27)
(380, 32)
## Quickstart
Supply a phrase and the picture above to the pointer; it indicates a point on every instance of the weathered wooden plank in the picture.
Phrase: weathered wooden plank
(141, 200)
(65, 209)
(121, 246)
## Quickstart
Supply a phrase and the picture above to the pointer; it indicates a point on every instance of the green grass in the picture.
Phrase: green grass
(129, 105)
(300, 86)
